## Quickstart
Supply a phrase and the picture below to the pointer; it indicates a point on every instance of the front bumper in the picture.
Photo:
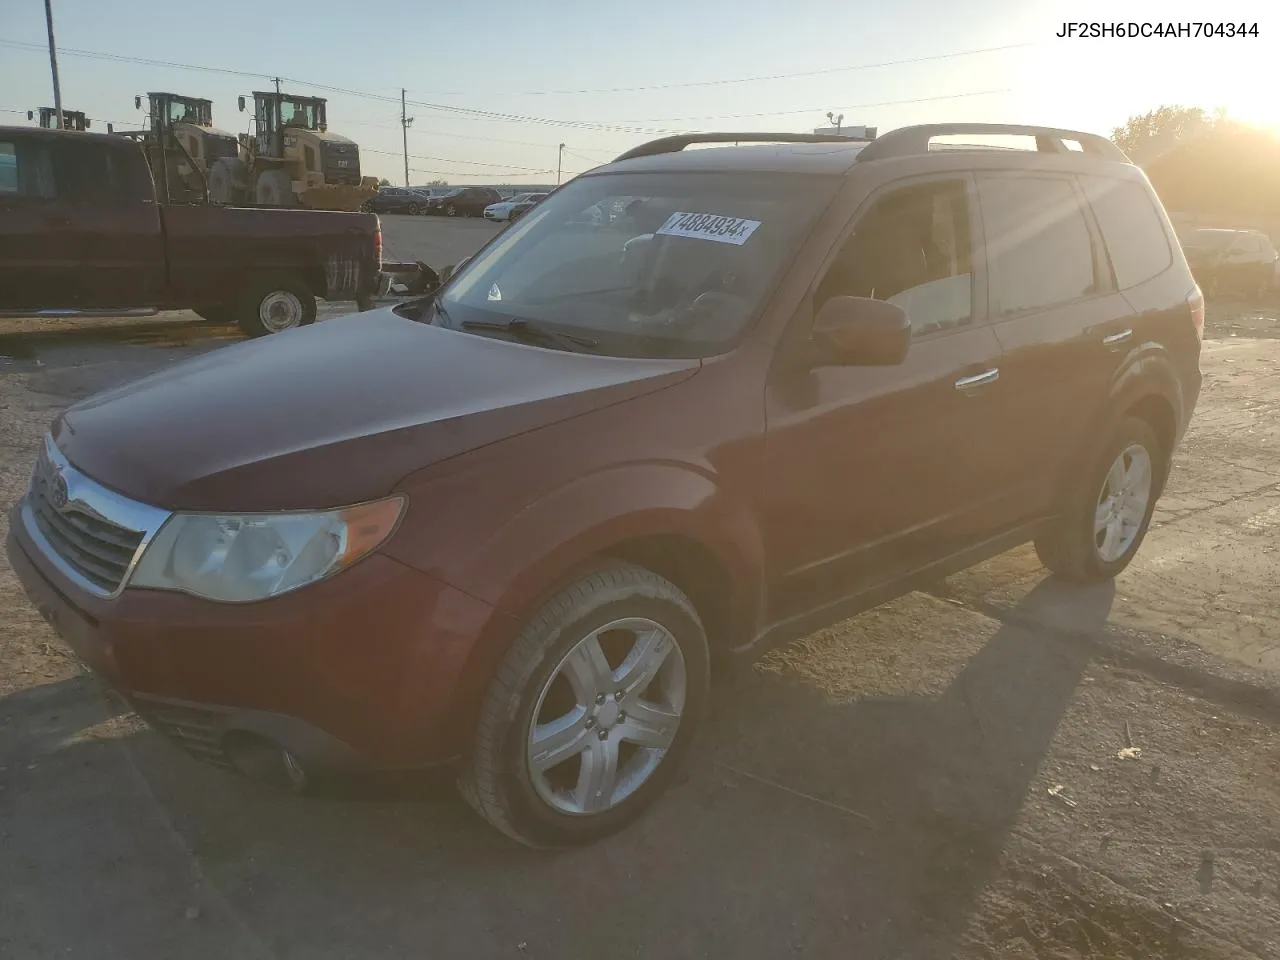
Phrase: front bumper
(361, 671)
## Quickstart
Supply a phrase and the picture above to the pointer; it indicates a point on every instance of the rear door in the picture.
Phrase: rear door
(1062, 323)
(112, 222)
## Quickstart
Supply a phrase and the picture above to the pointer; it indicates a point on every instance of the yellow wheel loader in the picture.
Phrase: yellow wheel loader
(182, 144)
(292, 160)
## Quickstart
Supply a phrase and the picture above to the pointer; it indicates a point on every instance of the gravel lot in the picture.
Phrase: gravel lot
(941, 777)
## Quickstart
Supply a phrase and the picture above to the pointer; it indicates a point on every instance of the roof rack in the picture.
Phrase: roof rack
(680, 141)
(909, 141)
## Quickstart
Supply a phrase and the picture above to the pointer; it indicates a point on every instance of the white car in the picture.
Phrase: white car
(502, 211)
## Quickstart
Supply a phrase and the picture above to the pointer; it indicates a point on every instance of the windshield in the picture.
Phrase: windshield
(647, 264)
(299, 114)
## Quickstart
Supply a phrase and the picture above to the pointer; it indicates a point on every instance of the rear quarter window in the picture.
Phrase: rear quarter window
(1132, 229)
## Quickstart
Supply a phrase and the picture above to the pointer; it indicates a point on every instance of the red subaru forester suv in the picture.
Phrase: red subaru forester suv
(693, 403)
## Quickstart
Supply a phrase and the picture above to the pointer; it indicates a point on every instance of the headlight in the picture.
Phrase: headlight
(255, 556)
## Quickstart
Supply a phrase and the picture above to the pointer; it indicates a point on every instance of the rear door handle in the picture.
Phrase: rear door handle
(1115, 338)
(978, 380)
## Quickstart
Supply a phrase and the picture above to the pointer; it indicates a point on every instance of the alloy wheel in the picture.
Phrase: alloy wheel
(1122, 503)
(606, 716)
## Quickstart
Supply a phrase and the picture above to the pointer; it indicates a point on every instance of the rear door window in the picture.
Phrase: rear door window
(1132, 229)
(90, 171)
(1039, 249)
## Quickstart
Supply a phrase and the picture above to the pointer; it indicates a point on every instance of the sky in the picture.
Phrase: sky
(494, 90)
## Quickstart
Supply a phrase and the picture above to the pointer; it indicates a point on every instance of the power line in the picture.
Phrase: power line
(474, 113)
(475, 163)
(855, 106)
(776, 76)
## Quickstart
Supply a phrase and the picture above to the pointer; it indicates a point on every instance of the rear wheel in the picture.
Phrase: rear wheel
(451, 210)
(1107, 516)
(591, 711)
(276, 303)
(413, 210)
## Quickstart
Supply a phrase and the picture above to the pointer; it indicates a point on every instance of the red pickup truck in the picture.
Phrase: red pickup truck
(82, 233)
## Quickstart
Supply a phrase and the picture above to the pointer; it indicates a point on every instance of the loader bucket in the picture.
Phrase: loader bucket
(336, 196)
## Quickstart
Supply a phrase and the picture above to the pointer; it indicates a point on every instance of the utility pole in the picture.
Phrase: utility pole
(559, 164)
(279, 121)
(53, 62)
(404, 130)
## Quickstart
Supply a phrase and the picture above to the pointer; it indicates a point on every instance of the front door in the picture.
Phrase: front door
(112, 227)
(874, 471)
(37, 262)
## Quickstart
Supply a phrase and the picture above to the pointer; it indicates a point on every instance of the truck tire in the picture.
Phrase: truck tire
(227, 181)
(623, 651)
(274, 189)
(274, 303)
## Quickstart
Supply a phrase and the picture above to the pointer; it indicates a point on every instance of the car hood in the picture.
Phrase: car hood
(333, 414)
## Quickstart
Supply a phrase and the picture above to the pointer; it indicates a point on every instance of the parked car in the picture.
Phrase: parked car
(1241, 262)
(521, 207)
(502, 210)
(81, 233)
(506, 526)
(397, 200)
(463, 201)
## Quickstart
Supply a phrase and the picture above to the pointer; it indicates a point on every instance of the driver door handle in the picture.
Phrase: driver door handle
(1115, 338)
(978, 380)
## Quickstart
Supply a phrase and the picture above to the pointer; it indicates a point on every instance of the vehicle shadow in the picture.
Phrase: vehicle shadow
(864, 827)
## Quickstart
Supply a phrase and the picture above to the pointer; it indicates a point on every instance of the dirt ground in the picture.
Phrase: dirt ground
(998, 767)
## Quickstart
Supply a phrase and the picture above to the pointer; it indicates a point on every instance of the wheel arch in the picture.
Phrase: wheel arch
(706, 543)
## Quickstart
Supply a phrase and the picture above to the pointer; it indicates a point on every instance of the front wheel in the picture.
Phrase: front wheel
(276, 303)
(451, 210)
(591, 711)
(413, 210)
(1107, 516)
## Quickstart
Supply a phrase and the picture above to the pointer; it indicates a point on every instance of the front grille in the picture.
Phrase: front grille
(96, 548)
(195, 730)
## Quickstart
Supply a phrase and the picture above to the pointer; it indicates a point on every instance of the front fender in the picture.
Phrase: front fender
(530, 552)
(526, 555)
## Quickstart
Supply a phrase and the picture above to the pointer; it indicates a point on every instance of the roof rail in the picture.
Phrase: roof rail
(680, 141)
(909, 141)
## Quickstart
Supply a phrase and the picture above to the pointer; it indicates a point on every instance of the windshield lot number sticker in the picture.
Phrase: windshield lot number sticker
(708, 226)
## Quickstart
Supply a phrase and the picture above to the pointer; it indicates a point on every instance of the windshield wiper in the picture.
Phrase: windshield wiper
(530, 332)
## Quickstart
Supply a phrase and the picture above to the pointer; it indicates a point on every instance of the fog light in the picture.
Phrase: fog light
(264, 761)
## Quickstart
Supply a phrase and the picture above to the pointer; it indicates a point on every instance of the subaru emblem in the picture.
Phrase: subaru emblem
(58, 492)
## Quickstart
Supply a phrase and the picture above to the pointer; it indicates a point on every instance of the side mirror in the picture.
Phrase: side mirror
(859, 331)
(240, 103)
(137, 103)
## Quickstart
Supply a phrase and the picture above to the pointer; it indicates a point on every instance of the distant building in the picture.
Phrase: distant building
(853, 133)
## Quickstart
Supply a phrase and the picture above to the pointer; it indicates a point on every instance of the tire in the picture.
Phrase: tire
(227, 179)
(451, 210)
(274, 303)
(499, 779)
(1071, 548)
(274, 189)
(367, 207)
(413, 210)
